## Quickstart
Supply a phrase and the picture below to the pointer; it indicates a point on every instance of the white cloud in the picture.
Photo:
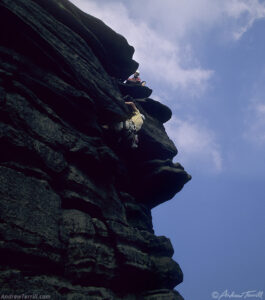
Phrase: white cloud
(159, 57)
(162, 31)
(176, 19)
(181, 18)
(246, 12)
(197, 144)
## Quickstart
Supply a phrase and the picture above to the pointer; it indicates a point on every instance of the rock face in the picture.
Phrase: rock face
(75, 220)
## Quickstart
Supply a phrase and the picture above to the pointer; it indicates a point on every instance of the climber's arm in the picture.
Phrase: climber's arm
(133, 106)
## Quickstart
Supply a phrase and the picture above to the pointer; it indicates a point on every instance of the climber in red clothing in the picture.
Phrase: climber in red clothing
(135, 78)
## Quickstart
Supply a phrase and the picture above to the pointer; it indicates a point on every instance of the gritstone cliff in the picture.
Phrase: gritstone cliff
(75, 220)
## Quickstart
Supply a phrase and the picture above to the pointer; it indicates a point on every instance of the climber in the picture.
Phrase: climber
(137, 118)
(135, 79)
(134, 87)
(127, 130)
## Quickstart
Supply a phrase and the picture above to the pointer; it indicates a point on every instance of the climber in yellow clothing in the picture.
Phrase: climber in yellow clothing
(128, 129)
(131, 126)
(137, 118)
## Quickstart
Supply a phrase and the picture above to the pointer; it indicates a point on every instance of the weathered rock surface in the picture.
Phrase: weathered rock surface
(134, 90)
(75, 219)
(156, 109)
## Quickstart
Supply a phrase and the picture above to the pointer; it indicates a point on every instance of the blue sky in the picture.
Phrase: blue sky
(205, 60)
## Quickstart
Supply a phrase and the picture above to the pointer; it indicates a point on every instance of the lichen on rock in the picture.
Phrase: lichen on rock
(75, 209)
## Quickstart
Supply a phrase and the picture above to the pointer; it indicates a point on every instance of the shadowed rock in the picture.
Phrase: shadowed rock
(156, 109)
(134, 90)
(159, 181)
(75, 209)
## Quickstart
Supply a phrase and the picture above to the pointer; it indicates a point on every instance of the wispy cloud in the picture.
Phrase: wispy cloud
(157, 54)
(181, 18)
(197, 144)
(245, 13)
(162, 32)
